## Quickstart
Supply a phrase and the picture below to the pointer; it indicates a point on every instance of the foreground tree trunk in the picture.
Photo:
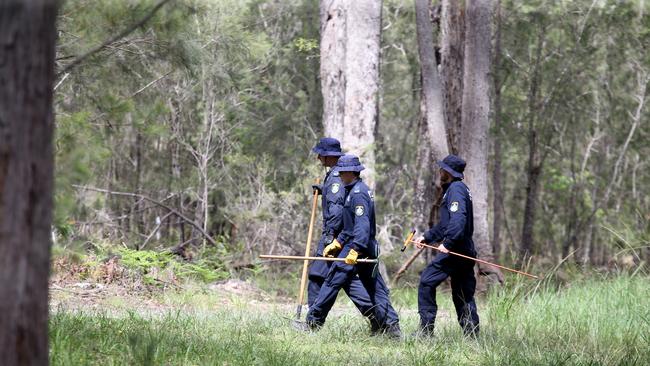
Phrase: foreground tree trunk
(475, 121)
(350, 45)
(27, 45)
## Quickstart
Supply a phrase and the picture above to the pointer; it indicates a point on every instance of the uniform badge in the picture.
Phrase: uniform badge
(335, 187)
(453, 207)
(358, 210)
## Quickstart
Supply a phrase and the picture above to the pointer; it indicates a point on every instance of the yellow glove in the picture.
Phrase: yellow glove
(352, 257)
(332, 249)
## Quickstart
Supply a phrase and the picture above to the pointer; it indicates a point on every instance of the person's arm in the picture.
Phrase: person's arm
(457, 206)
(361, 233)
(435, 234)
(333, 212)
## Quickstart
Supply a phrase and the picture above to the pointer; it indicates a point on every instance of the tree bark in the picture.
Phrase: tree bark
(534, 166)
(475, 121)
(350, 46)
(497, 190)
(431, 111)
(27, 49)
(452, 55)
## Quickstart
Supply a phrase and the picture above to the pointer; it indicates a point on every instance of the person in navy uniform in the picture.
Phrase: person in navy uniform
(333, 195)
(356, 240)
(454, 233)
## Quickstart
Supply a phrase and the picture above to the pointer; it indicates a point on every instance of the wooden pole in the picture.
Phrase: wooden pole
(327, 259)
(409, 240)
(303, 279)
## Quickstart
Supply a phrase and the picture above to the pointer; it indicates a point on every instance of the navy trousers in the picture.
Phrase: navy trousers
(357, 294)
(463, 287)
(341, 276)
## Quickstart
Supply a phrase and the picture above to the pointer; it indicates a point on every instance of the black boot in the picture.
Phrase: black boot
(393, 331)
(307, 326)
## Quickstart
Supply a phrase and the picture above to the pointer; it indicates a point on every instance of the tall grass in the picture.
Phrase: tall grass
(592, 322)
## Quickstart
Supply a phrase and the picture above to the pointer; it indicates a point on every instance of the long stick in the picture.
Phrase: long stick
(327, 259)
(409, 240)
(303, 279)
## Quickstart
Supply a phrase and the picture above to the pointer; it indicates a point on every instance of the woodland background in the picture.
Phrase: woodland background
(211, 107)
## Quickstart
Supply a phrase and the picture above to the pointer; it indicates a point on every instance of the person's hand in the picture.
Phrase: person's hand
(332, 249)
(317, 188)
(419, 242)
(351, 258)
(442, 249)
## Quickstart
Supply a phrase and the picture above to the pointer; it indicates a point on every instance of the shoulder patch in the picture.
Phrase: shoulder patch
(454, 206)
(358, 210)
(335, 188)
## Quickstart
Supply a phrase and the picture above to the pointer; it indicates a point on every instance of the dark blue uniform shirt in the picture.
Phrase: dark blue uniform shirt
(359, 221)
(332, 204)
(456, 224)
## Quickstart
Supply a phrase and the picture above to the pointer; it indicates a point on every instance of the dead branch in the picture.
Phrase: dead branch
(146, 198)
(113, 39)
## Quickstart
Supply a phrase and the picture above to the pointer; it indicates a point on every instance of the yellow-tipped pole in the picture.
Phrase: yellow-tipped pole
(303, 278)
(410, 239)
(326, 259)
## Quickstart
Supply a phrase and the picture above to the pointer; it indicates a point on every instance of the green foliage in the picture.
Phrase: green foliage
(136, 117)
(149, 263)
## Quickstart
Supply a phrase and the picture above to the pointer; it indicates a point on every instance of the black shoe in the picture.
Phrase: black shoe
(375, 328)
(393, 331)
(306, 327)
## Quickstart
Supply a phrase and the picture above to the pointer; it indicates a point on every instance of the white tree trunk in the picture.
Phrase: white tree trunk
(333, 41)
(433, 142)
(475, 116)
(350, 46)
(431, 83)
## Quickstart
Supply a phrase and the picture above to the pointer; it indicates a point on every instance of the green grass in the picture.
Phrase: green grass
(591, 322)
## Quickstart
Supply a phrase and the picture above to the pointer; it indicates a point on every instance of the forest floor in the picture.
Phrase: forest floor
(597, 321)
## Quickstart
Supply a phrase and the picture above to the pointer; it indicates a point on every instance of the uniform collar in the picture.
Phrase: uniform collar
(446, 185)
(349, 186)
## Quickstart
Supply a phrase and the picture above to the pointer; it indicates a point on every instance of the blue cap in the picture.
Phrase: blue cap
(453, 165)
(348, 163)
(328, 146)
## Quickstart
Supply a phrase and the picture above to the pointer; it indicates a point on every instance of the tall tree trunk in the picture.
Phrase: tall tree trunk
(351, 32)
(452, 54)
(333, 40)
(432, 120)
(534, 166)
(27, 47)
(497, 190)
(475, 121)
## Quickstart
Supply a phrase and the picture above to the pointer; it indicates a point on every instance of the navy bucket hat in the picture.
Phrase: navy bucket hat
(348, 163)
(328, 146)
(453, 165)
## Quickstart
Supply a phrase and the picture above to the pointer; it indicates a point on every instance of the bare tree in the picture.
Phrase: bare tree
(27, 48)
(350, 45)
(475, 119)
(432, 118)
(497, 188)
(452, 54)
